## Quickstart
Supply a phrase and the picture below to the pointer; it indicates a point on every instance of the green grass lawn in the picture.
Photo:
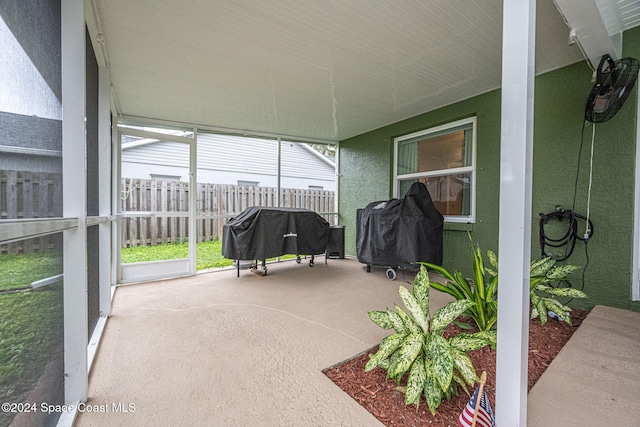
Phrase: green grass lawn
(30, 321)
(208, 254)
(20, 270)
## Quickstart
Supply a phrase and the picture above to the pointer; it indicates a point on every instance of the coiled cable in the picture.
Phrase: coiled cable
(568, 240)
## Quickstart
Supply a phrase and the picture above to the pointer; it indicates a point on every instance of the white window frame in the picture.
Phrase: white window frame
(471, 218)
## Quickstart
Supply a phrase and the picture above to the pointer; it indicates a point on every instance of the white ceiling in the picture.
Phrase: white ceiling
(324, 69)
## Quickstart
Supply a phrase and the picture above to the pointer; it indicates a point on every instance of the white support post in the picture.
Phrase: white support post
(516, 169)
(336, 206)
(74, 201)
(193, 200)
(279, 167)
(116, 204)
(104, 164)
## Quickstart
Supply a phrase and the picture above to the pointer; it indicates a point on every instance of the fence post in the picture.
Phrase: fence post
(183, 203)
(153, 207)
(143, 206)
(133, 200)
(123, 207)
(171, 207)
(217, 204)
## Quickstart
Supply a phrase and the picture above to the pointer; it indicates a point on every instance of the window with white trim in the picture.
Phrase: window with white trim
(442, 158)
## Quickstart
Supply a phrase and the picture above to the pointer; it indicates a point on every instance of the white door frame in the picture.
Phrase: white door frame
(153, 270)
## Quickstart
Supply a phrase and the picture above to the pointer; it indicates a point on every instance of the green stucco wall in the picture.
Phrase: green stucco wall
(631, 48)
(560, 96)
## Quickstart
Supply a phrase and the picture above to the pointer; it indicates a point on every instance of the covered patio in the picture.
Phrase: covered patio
(363, 76)
(214, 349)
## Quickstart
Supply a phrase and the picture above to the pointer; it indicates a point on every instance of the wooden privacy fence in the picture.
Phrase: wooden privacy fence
(26, 195)
(156, 211)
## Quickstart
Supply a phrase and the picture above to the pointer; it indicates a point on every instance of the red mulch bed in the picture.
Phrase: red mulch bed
(379, 396)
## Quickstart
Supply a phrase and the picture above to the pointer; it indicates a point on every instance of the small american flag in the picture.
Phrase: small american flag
(484, 416)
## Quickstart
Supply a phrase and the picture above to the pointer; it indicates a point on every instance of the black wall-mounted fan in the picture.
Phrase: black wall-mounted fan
(614, 82)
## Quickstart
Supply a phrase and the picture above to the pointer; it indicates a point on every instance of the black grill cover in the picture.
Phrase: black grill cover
(399, 233)
(261, 233)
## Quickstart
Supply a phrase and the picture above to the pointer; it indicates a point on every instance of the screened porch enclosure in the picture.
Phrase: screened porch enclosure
(230, 173)
(127, 124)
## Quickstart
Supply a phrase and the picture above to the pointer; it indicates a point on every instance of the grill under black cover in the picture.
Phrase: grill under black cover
(260, 232)
(400, 232)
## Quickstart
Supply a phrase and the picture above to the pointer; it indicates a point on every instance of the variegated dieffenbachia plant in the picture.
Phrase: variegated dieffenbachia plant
(543, 296)
(435, 364)
(483, 289)
(543, 273)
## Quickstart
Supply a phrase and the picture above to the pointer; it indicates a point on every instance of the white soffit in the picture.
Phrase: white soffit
(598, 24)
(619, 15)
(318, 69)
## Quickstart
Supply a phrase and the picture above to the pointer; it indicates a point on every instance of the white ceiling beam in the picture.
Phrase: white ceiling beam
(596, 30)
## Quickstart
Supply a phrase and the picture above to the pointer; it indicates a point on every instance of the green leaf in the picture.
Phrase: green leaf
(464, 365)
(432, 390)
(407, 353)
(450, 288)
(540, 266)
(556, 303)
(468, 342)
(371, 364)
(537, 280)
(462, 285)
(384, 364)
(491, 290)
(421, 285)
(478, 270)
(480, 312)
(415, 310)
(387, 346)
(442, 360)
(491, 336)
(397, 322)
(562, 292)
(448, 314)
(393, 361)
(558, 309)
(534, 313)
(461, 383)
(380, 318)
(410, 325)
(493, 258)
(415, 382)
(542, 312)
(561, 272)
(462, 325)
(451, 391)
(539, 308)
(445, 273)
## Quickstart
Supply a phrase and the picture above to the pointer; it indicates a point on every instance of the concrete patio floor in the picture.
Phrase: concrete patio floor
(595, 379)
(221, 350)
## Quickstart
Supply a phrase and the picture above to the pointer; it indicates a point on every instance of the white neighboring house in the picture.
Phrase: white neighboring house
(226, 159)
